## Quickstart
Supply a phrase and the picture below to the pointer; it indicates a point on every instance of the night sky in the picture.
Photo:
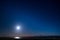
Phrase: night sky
(36, 17)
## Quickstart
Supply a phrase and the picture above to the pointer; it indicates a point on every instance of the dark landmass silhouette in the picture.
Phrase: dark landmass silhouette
(32, 38)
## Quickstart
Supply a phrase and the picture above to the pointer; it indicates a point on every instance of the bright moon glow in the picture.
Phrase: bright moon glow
(17, 37)
(18, 27)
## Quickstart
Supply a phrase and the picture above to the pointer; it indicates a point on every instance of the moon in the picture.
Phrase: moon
(18, 27)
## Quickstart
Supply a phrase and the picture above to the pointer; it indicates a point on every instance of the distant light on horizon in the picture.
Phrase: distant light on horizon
(17, 37)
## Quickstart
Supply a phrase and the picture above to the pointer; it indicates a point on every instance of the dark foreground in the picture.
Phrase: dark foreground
(32, 38)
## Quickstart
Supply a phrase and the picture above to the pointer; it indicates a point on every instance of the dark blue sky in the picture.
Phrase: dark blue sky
(36, 16)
